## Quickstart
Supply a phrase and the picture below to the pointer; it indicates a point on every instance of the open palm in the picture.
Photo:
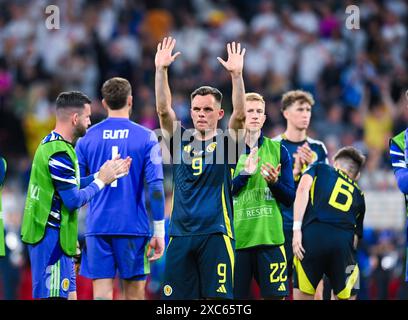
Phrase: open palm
(164, 57)
(235, 61)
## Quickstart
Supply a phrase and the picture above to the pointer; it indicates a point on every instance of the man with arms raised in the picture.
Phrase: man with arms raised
(200, 255)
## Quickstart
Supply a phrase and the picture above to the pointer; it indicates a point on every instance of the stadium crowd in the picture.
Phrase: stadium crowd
(358, 78)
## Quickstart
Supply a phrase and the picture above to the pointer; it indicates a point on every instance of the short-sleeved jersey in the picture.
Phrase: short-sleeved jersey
(119, 209)
(334, 199)
(320, 155)
(202, 182)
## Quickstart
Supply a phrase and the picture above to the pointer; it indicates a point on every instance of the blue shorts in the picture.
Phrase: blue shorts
(104, 255)
(289, 251)
(53, 272)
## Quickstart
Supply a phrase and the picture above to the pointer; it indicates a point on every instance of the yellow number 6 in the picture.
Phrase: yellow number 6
(345, 188)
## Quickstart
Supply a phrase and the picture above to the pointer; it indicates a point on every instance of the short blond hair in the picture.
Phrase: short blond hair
(253, 96)
(293, 96)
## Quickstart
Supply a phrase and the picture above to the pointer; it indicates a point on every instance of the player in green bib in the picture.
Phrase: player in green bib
(3, 169)
(55, 192)
(399, 162)
(262, 181)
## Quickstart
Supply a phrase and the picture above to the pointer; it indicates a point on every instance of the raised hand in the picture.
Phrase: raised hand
(251, 163)
(164, 56)
(235, 61)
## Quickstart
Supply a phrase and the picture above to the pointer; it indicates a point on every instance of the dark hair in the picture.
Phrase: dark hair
(115, 91)
(351, 159)
(72, 99)
(205, 90)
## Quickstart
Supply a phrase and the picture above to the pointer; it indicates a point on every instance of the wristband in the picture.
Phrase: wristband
(99, 183)
(158, 229)
(297, 225)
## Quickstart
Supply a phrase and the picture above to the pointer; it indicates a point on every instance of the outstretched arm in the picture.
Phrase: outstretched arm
(163, 60)
(235, 65)
(63, 177)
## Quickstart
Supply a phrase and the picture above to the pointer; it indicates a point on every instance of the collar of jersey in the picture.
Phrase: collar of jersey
(260, 142)
(284, 137)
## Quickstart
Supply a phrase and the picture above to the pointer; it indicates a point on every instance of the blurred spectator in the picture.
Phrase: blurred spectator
(265, 20)
(305, 18)
(233, 27)
(157, 24)
(39, 118)
(332, 124)
(11, 265)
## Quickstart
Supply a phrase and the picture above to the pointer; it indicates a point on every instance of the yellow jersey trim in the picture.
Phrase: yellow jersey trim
(312, 191)
(228, 244)
(351, 281)
(225, 211)
(303, 281)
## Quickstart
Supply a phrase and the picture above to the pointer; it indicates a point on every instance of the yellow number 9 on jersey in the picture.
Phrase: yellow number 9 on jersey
(197, 165)
(222, 272)
(345, 188)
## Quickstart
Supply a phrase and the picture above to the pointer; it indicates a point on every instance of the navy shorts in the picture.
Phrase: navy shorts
(289, 250)
(52, 271)
(103, 256)
(328, 250)
(199, 267)
(267, 264)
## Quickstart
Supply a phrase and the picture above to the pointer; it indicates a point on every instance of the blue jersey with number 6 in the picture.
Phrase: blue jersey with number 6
(334, 199)
(119, 209)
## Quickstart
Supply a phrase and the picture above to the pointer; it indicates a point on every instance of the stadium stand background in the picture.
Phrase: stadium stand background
(357, 77)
